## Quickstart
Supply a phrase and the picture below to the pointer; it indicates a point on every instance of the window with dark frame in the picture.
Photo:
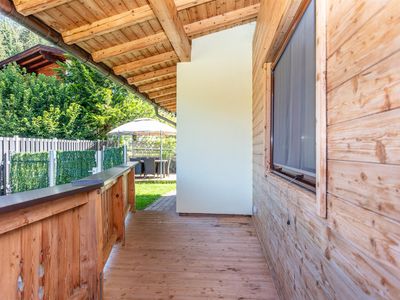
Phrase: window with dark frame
(293, 154)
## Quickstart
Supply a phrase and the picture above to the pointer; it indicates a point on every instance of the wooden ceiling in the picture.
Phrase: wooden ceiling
(140, 40)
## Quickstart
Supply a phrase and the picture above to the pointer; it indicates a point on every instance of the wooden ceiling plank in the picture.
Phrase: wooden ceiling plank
(145, 62)
(30, 7)
(106, 25)
(213, 23)
(151, 87)
(169, 106)
(185, 4)
(165, 92)
(171, 102)
(136, 80)
(129, 46)
(165, 98)
(167, 15)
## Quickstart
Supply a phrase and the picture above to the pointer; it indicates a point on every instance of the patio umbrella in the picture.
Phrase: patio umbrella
(145, 126)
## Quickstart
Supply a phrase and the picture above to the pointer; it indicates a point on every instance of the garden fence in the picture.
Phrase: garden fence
(29, 163)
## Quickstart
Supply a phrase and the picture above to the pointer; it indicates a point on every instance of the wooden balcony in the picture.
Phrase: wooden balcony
(80, 241)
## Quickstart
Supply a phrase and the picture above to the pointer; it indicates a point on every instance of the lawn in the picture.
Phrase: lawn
(147, 193)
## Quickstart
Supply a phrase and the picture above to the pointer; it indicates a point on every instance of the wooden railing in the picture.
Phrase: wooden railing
(54, 242)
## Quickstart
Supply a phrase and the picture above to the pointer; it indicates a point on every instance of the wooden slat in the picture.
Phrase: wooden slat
(128, 18)
(118, 210)
(185, 4)
(145, 62)
(266, 86)
(372, 186)
(360, 51)
(29, 7)
(131, 190)
(375, 90)
(129, 46)
(165, 98)
(222, 20)
(375, 138)
(320, 106)
(167, 15)
(165, 92)
(10, 263)
(157, 85)
(15, 219)
(152, 75)
(174, 249)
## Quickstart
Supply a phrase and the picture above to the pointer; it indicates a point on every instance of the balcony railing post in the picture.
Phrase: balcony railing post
(52, 167)
(125, 154)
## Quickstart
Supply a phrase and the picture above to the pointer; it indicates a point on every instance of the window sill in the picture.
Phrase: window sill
(306, 193)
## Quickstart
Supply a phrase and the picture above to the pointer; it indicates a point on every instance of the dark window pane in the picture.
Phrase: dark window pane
(294, 99)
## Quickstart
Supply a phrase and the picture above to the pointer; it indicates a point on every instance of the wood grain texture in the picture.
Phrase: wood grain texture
(211, 24)
(167, 15)
(108, 24)
(29, 7)
(321, 8)
(145, 62)
(353, 253)
(55, 250)
(159, 85)
(167, 256)
(377, 89)
(153, 75)
(130, 46)
(377, 39)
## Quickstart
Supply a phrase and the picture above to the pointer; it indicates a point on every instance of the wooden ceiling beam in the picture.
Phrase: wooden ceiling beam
(167, 103)
(145, 62)
(29, 7)
(169, 107)
(134, 45)
(106, 25)
(185, 4)
(167, 15)
(153, 75)
(226, 19)
(167, 98)
(161, 93)
(151, 87)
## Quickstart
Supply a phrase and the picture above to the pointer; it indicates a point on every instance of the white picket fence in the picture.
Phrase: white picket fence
(12, 145)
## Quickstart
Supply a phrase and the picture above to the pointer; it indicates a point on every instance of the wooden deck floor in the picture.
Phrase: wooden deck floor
(167, 256)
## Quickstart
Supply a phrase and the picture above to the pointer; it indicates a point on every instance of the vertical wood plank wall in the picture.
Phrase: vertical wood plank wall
(354, 253)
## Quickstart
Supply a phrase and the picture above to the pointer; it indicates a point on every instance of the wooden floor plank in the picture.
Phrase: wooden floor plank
(167, 256)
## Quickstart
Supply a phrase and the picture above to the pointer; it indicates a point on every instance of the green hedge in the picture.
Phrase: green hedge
(29, 171)
(113, 157)
(73, 165)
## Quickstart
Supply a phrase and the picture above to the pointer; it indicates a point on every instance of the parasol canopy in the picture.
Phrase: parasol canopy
(144, 126)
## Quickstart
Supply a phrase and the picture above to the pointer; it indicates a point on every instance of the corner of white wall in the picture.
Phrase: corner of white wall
(214, 139)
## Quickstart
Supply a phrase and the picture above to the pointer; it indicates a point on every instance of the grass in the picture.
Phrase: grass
(147, 193)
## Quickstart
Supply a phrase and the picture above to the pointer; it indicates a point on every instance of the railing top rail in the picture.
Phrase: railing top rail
(29, 198)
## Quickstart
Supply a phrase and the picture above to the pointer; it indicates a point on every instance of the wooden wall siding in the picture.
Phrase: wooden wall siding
(354, 253)
(57, 249)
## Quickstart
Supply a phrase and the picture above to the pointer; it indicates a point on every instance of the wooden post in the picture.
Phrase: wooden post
(131, 190)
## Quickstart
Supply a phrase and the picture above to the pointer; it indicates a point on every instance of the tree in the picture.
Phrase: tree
(79, 104)
(15, 38)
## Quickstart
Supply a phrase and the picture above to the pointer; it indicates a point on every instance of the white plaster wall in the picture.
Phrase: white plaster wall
(214, 139)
